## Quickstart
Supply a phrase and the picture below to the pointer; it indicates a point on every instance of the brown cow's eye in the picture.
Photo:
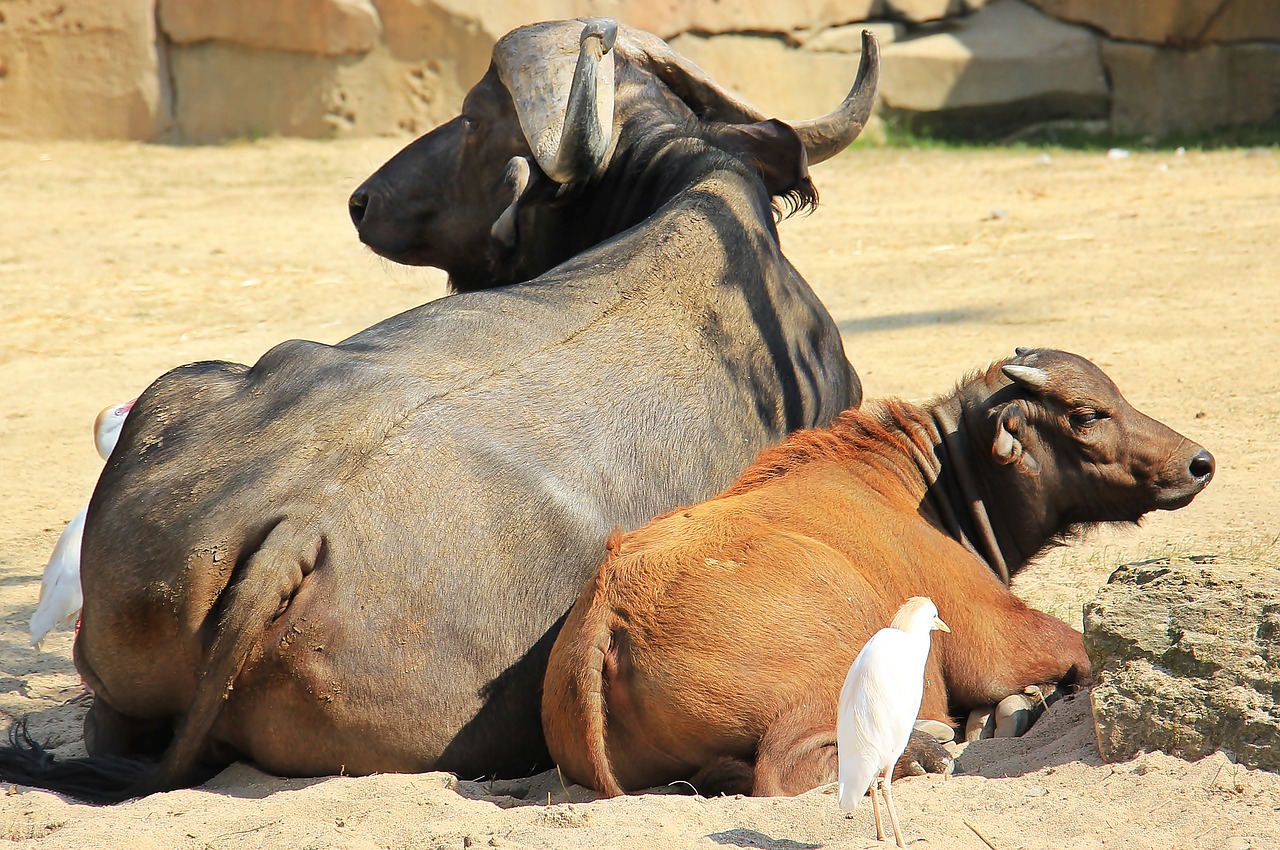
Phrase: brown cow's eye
(1084, 417)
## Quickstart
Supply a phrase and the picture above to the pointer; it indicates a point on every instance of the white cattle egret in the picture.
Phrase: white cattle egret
(106, 427)
(60, 596)
(878, 706)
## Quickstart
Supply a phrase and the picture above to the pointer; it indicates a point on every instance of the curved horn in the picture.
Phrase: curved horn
(826, 136)
(823, 137)
(588, 127)
(565, 111)
(1030, 377)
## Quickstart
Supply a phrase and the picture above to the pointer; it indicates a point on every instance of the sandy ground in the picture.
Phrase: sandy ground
(118, 262)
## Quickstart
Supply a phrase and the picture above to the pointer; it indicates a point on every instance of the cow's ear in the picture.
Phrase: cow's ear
(775, 150)
(1007, 447)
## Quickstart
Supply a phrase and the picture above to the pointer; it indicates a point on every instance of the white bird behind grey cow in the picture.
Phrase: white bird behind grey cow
(879, 704)
(60, 596)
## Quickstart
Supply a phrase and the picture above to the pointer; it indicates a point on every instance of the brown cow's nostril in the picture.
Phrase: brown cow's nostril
(357, 205)
(1202, 466)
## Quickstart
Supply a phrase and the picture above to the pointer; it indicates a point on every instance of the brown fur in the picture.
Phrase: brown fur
(730, 625)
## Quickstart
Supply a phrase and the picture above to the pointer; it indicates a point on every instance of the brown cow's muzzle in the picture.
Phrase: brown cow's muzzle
(1197, 475)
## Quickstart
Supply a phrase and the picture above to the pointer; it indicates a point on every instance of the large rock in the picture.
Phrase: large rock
(1158, 92)
(665, 18)
(80, 71)
(1173, 22)
(919, 11)
(781, 82)
(327, 27)
(848, 38)
(1186, 659)
(1001, 68)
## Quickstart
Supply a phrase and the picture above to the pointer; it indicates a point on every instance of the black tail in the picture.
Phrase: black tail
(101, 779)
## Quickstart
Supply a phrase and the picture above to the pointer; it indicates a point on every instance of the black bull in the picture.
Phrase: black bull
(355, 557)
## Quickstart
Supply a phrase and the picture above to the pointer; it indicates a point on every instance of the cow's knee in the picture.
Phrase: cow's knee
(793, 759)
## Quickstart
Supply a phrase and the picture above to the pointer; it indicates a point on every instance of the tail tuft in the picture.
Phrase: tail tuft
(99, 779)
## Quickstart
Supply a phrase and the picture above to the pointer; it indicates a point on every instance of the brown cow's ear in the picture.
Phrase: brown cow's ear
(774, 148)
(1007, 448)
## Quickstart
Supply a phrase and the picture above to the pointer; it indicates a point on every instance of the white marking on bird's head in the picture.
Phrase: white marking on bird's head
(919, 615)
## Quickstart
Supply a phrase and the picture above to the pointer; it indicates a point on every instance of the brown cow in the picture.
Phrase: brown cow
(722, 632)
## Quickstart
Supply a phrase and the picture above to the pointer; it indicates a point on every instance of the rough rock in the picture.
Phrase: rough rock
(80, 70)
(848, 38)
(1164, 91)
(919, 11)
(1002, 67)
(327, 27)
(781, 82)
(1186, 659)
(1173, 22)
(223, 95)
(665, 18)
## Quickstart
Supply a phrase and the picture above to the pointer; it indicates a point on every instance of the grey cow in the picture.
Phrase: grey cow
(356, 557)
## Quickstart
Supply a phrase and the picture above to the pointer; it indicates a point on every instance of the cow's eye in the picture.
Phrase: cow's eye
(1084, 417)
(470, 124)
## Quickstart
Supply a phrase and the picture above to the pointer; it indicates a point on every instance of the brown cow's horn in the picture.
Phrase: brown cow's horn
(826, 136)
(565, 111)
(1030, 377)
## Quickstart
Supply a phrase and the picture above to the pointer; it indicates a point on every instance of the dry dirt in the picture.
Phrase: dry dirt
(120, 261)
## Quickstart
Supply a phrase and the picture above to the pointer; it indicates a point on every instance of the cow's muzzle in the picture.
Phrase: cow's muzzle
(1199, 472)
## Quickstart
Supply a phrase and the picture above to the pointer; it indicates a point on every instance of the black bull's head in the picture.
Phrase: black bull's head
(483, 196)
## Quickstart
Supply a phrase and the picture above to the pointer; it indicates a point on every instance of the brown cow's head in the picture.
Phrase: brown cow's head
(557, 107)
(1069, 451)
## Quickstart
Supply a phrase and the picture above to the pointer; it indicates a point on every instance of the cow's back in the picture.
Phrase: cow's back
(462, 462)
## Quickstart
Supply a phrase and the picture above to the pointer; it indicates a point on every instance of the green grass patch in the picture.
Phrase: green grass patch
(902, 133)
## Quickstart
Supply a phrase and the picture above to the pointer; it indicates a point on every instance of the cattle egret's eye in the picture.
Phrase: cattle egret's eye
(1084, 416)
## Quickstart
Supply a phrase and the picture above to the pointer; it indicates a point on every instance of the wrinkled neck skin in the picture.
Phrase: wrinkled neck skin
(958, 494)
(659, 155)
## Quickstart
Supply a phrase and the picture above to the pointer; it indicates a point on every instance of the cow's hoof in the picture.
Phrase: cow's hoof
(1013, 715)
(924, 754)
(941, 732)
(981, 724)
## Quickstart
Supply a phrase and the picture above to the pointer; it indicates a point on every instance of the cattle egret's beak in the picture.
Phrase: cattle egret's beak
(940, 626)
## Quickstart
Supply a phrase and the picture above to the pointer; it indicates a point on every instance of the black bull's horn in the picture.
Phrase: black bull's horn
(823, 137)
(564, 93)
(569, 134)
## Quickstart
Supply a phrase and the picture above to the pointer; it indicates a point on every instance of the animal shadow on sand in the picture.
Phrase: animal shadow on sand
(751, 838)
(1063, 735)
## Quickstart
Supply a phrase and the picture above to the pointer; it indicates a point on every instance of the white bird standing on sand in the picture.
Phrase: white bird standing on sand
(60, 597)
(878, 706)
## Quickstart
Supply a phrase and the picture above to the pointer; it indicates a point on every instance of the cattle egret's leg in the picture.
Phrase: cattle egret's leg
(893, 812)
(875, 807)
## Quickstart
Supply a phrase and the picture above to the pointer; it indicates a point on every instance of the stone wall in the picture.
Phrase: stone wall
(195, 70)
